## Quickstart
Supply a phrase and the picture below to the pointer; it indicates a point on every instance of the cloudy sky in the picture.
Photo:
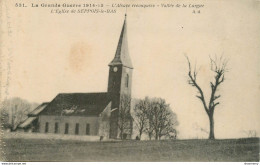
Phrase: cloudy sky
(55, 53)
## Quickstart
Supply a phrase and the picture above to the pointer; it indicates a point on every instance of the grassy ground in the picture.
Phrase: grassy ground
(244, 150)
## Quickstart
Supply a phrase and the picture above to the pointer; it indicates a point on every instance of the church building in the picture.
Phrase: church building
(93, 114)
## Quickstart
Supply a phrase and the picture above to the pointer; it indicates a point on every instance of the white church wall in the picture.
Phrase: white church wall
(71, 120)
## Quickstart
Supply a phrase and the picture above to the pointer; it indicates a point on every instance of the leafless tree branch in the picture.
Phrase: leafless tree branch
(192, 81)
(219, 67)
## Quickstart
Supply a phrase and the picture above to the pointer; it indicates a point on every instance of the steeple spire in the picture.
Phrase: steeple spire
(122, 55)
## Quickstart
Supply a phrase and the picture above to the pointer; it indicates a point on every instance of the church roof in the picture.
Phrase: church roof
(122, 54)
(27, 122)
(37, 110)
(77, 104)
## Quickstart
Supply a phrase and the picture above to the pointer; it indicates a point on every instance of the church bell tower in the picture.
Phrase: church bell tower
(120, 78)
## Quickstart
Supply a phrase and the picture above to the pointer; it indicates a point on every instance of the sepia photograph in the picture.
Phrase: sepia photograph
(129, 81)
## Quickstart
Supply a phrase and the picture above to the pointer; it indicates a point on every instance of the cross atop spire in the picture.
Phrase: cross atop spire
(122, 55)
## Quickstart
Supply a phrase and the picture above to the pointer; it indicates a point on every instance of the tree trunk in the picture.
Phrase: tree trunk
(121, 134)
(140, 134)
(211, 132)
(150, 136)
(156, 135)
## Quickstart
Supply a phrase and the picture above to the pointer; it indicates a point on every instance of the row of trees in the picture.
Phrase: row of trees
(155, 117)
(152, 116)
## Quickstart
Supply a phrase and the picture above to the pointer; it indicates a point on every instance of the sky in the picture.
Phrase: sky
(57, 53)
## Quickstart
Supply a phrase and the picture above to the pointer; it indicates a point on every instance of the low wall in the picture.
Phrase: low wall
(23, 135)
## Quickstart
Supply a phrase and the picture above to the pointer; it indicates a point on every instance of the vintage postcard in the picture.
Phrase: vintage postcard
(129, 80)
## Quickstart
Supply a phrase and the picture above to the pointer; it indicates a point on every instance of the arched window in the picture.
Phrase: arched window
(127, 81)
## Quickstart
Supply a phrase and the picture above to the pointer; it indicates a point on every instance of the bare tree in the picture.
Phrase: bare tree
(164, 120)
(149, 129)
(173, 134)
(155, 117)
(14, 111)
(250, 133)
(168, 122)
(104, 123)
(197, 127)
(124, 117)
(140, 115)
(218, 66)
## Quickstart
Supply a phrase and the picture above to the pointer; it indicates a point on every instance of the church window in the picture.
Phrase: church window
(66, 128)
(127, 81)
(46, 127)
(77, 129)
(56, 127)
(87, 129)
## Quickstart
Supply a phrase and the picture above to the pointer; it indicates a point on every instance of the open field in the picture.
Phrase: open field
(244, 150)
